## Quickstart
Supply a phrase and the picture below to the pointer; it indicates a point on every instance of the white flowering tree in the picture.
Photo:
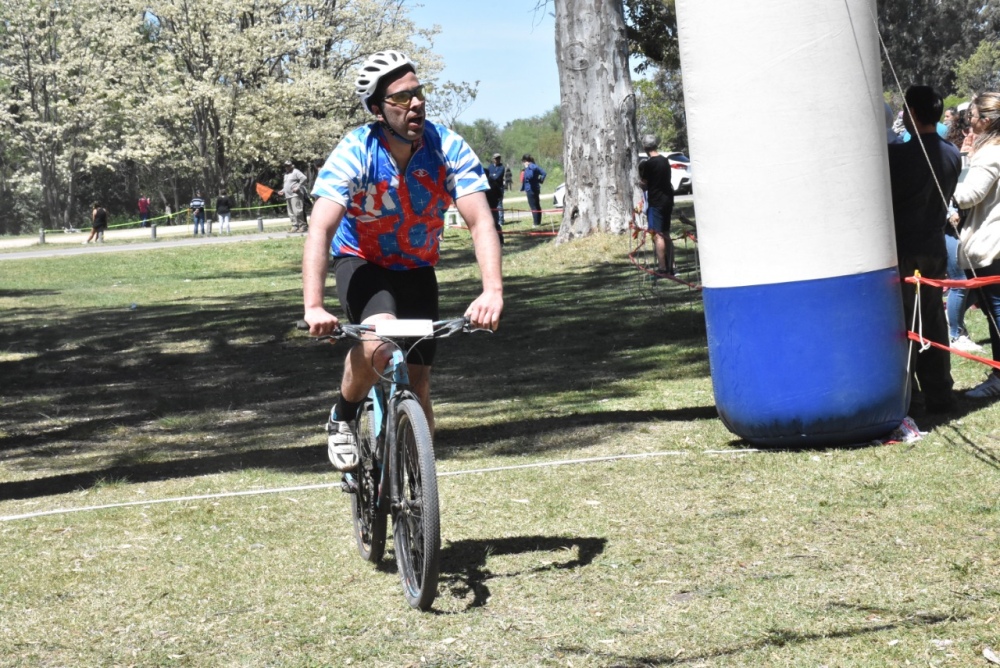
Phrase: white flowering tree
(62, 106)
(172, 95)
(247, 84)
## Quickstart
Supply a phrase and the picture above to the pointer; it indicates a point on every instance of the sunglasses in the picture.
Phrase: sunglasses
(404, 97)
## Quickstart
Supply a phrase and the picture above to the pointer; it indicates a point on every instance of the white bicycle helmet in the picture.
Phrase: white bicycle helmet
(374, 68)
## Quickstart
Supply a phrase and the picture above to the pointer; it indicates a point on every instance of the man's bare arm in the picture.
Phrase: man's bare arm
(486, 310)
(326, 217)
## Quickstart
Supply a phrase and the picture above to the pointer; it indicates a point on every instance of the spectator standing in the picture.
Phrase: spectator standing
(223, 207)
(979, 240)
(531, 183)
(293, 191)
(494, 196)
(950, 114)
(957, 301)
(508, 179)
(917, 169)
(144, 207)
(98, 223)
(654, 175)
(197, 208)
(891, 136)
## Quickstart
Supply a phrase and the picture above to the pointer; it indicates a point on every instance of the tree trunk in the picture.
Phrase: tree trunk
(598, 115)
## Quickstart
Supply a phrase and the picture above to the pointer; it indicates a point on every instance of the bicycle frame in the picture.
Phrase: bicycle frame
(384, 396)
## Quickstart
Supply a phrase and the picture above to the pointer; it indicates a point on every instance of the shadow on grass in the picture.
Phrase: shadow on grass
(772, 638)
(448, 442)
(464, 570)
(189, 387)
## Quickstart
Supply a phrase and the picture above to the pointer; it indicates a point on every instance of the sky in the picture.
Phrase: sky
(506, 46)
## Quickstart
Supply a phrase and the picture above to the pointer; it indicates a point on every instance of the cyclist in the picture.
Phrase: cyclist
(380, 204)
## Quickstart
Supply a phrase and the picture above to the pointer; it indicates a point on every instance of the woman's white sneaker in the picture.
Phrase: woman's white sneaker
(965, 344)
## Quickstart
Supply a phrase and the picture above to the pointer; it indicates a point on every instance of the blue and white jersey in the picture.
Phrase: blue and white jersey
(395, 220)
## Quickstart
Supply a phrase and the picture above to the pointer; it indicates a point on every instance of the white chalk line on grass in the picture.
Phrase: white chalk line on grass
(330, 485)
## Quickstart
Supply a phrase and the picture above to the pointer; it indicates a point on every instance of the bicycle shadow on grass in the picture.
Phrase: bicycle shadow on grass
(464, 570)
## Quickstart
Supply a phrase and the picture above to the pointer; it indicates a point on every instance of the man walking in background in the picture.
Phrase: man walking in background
(494, 196)
(293, 192)
(654, 175)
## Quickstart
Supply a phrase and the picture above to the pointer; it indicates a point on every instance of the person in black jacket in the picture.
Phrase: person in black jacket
(917, 169)
(223, 206)
(98, 223)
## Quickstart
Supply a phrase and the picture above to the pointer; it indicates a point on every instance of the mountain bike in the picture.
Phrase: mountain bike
(396, 474)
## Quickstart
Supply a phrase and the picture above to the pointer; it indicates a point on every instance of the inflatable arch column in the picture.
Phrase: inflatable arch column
(787, 134)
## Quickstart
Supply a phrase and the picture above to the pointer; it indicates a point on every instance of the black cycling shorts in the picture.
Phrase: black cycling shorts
(366, 289)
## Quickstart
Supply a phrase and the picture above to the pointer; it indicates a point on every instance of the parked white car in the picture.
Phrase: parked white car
(559, 196)
(680, 177)
(680, 171)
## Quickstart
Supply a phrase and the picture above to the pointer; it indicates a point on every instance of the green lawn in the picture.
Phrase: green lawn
(176, 373)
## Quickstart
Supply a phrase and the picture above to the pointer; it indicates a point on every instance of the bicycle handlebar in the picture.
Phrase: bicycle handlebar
(440, 329)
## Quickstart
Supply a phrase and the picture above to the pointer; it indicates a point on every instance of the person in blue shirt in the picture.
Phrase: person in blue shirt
(531, 184)
(381, 197)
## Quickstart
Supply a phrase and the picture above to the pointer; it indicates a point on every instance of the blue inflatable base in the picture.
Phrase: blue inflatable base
(809, 363)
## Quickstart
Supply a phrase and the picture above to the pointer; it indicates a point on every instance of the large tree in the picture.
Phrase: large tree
(598, 114)
(64, 99)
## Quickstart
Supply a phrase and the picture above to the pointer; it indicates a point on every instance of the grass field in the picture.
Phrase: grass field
(147, 376)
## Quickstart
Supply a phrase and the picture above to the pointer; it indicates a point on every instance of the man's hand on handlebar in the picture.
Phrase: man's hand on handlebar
(485, 312)
(320, 321)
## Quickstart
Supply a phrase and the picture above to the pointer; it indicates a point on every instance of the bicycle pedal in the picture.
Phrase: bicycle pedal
(349, 486)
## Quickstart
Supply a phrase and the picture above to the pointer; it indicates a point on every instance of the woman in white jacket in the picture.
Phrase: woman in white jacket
(979, 240)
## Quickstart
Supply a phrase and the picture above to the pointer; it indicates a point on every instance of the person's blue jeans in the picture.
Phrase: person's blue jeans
(199, 219)
(957, 297)
(989, 301)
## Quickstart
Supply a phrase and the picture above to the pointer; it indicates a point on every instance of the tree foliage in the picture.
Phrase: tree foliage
(651, 28)
(980, 71)
(926, 39)
(169, 96)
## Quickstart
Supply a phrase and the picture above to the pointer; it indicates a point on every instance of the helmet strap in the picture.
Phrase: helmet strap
(385, 125)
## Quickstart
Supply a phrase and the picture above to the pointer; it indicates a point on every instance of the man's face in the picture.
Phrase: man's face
(496, 161)
(949, 116)
(408, 119)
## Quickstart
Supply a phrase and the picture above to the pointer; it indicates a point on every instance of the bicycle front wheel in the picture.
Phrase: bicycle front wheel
(369, 521)
(415, 520)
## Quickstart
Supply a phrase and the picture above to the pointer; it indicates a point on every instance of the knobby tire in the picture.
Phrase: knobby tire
(369, 522)
(415, 522)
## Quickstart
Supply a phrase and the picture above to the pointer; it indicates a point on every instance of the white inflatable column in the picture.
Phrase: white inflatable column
(802, 302)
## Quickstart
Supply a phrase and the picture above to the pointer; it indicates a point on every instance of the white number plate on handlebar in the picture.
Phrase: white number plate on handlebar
(404, 328)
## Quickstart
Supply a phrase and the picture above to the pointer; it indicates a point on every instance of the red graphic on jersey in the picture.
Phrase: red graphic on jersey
(373, 223)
